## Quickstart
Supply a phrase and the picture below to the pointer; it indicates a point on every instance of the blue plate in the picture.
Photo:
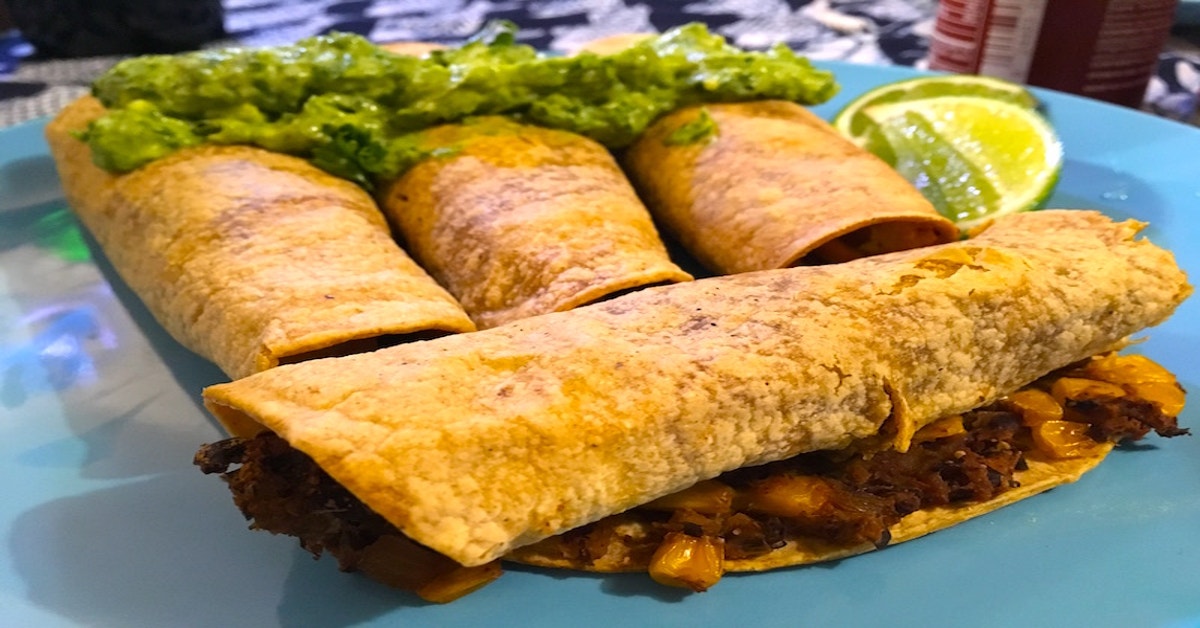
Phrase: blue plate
(106, 522)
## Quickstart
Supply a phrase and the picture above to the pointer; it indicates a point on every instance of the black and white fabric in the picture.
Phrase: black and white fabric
(879, 32)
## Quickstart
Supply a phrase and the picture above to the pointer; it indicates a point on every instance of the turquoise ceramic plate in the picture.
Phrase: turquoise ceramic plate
(105, 522)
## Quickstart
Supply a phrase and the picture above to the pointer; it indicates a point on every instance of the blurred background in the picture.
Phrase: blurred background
(50, 50)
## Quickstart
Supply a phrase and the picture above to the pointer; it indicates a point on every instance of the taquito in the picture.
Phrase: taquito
(251, 258)
(477, 444)
(772, 185)
(823, 506)
(517, 220)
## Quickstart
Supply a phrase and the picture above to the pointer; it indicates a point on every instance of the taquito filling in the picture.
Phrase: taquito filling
(363, 345)
(876, 239)
(844, 498)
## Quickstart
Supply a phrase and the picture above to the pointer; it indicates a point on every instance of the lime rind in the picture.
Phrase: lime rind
(974, 158)
(853, 122)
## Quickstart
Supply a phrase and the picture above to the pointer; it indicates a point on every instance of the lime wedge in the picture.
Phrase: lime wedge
(974, 158)
(855, 124)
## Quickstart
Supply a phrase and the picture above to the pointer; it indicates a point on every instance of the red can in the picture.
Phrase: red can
(1105, 49)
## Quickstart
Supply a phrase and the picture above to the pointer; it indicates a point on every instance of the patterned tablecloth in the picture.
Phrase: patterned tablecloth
(883, 32)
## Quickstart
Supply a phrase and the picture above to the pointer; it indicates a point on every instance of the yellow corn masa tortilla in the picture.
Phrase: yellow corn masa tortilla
(517, 220)
(1041, 476)
(611, 44)
(247, 257)
(476, 444)
(776, 186)
(412, 48)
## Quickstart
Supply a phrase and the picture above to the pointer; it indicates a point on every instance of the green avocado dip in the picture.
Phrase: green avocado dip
(353, 108)
(699, 130)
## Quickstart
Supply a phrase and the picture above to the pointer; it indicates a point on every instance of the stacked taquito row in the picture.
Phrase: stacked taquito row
(516, 220)
(253, 259)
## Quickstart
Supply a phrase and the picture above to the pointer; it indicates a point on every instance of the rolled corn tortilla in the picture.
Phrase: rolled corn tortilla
(476, 444)
(611, 44)
(517, 220)
(773, 186)
(412, 48)
(251, 258)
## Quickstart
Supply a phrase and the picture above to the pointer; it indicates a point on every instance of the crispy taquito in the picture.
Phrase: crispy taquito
(762, 185)
(517, 220)
(251, 258)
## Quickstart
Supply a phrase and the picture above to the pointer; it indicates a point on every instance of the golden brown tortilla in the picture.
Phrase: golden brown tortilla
(517, 220)
(612, 43)
(247, 257)
(476, 444)
(774, 187)
(412, 48)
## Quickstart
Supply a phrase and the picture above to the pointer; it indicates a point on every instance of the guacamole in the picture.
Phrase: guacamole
(697, 131)
(353, 108)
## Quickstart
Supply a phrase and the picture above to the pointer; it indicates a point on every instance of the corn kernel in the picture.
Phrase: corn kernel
(1168, 396)
(459, 582)
(948, 426)
(1065, 439)
(1080, 389)
(787, 495)
(1127, 369)
(708, 497)
(690, 562)
(1035, 406)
